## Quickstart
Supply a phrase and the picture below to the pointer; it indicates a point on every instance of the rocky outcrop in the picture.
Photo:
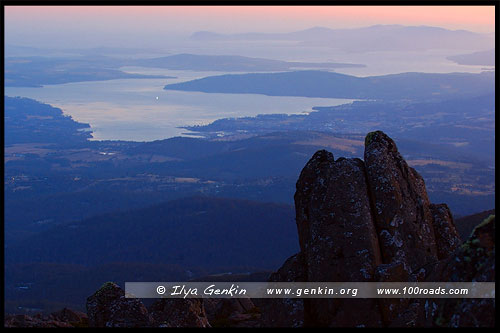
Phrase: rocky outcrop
(447, 237)
(474, 260)
(401, 209)
(63, 318)
(178, 312)
(232, 312)
(285, 312)
(336, 230)
(108, 307)
(38, 320)
(372, 220)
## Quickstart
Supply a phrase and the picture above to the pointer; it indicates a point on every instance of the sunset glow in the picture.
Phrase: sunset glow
(280, 18)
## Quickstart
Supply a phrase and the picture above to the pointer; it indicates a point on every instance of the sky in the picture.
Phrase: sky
(91, 26)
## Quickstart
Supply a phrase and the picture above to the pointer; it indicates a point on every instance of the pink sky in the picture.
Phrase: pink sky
(258, 18)
(87, 26)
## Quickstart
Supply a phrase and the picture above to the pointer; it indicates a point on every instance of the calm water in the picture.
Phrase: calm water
(140, 110)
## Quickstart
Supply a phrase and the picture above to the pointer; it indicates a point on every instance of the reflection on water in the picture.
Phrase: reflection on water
(140, 110)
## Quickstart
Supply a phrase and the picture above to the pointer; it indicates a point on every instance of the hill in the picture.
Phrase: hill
(230, 63)
(466, 224)
(309, 83)
(372, 38)
(197, 231)
(23, 119)
(484, 58)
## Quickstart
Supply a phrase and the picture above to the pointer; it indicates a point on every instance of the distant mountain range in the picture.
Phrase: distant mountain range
(334, 85)
(372, 38)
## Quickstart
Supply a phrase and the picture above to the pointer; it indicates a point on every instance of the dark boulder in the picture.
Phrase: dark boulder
(74, 318)
(285, 312)
(108, 307)
(38, 320)
(178, 312)
(233, 312)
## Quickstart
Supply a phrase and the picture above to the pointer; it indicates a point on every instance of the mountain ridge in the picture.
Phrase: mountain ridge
(314, 83)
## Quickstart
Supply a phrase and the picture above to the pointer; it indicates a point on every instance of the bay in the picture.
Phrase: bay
(140, 110)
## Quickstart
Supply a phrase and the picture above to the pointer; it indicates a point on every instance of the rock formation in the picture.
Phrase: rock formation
(108, 307)
(232, 312)
(63, 318)
(178, 312)
(285, 312)
(371, 220)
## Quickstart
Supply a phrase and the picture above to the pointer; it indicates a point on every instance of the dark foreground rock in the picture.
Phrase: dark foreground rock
(178, 312)
(37, 320)
(108, 307)
(285, 312)
(372, 220)
(63, 318)
(237, 312)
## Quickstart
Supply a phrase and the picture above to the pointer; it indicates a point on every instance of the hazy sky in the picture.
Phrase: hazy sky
(88, 26)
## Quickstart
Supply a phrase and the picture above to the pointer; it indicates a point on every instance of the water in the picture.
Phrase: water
(140, 110)
(377, 62)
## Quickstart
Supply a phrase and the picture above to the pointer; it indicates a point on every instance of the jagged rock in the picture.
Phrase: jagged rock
(234, 312)
(74, 318)
(400, 205)
(37, 320)
(63, 318)
(372, 221)
(108, 307)
(407, 316)
(391, 307)
(178, 312)
(334, 220)
(472, 261)
(447, 237)
(210, 305)
(285, 312)
(291, 271)
(336, 230)
(228, 306)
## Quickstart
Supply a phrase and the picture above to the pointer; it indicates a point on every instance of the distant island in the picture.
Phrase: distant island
(233, 63)
(38, 71)
(414, 86)
(482, 58)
